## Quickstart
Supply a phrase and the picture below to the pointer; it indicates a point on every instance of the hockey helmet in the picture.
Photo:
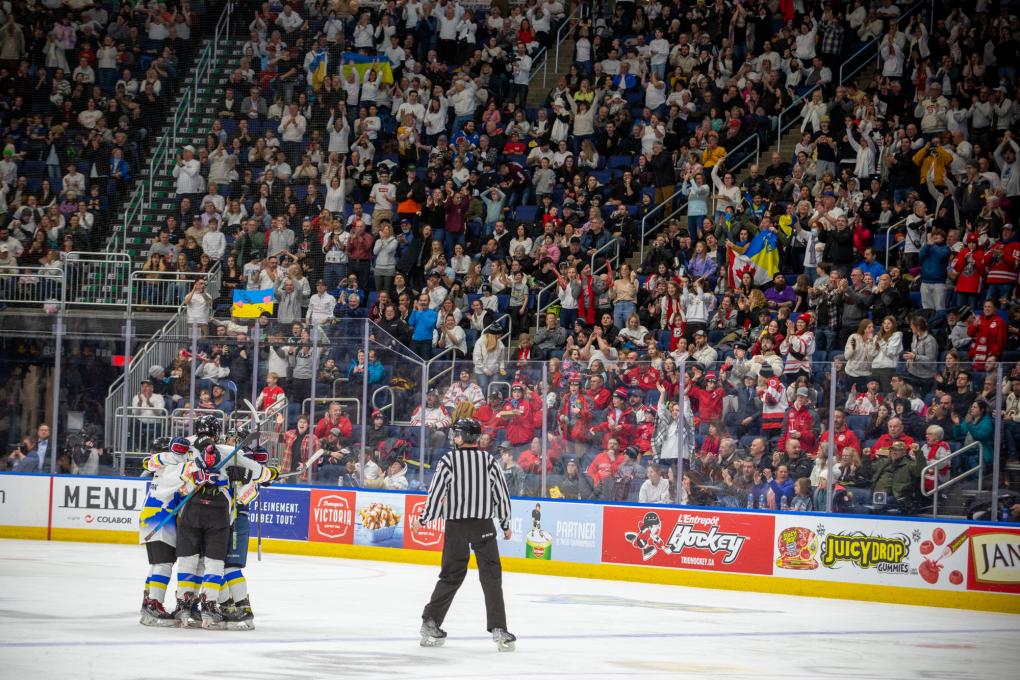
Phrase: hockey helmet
(651, 519)
(468, 427)
(179, 445)
(161, 444)
(208, 425)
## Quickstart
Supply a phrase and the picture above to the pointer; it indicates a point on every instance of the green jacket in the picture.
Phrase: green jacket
(899, 478)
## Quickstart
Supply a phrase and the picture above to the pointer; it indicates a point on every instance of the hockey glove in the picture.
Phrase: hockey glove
(238, 475)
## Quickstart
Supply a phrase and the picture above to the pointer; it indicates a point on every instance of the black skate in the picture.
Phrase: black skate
(212, 617)
(504, 640)
(431, 634)
(187, 613)
(239, 616)
(154, 615)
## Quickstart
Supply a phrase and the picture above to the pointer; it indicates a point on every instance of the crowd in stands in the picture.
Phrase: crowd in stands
(382, 161)
(84, 90)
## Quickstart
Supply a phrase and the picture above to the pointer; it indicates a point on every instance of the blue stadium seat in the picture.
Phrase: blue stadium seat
(620, 162)
(526, 213)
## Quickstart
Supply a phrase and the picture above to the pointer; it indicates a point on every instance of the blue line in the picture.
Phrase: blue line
(582, 636)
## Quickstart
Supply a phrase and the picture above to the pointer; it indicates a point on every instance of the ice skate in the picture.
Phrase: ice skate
(239, 616)
(504, 640)
(187, 613)
(154, 615)
(212, 617)
(431, 634)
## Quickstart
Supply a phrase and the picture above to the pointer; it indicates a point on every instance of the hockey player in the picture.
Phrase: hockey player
(234, 602)
(204, 525)
(163, 495)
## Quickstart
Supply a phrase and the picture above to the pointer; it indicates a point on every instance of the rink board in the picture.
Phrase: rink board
(944, 563)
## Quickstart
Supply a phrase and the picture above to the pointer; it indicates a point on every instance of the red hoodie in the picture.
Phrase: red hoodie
(989, 333)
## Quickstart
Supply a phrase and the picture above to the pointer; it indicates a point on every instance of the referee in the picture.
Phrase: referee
(468, 489)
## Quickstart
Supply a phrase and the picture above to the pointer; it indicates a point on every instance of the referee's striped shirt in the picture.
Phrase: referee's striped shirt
(468, 484)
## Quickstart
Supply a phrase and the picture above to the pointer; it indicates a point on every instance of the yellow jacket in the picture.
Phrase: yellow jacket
(939, 159)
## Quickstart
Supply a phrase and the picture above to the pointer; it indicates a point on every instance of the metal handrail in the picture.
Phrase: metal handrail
(614, 243)
(31, 284)
(888, 246)
(939, 485)
(645, 232)
(874, 43)
(539, 307)
(142, 282)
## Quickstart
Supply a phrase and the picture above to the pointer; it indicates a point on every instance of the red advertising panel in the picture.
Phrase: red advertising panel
(688, 539)
(994, 560)
(331, 516)
(429, 538)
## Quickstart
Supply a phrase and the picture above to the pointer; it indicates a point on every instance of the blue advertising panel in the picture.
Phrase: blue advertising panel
(284, 513)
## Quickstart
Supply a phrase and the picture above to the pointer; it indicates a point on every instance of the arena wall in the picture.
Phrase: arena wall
(942, 563)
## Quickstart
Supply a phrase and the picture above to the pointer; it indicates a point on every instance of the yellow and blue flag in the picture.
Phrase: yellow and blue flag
(317, 68)
(760, 258)
(251, 304)
(362, 65)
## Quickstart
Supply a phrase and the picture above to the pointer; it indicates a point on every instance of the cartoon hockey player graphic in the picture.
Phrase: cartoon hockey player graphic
(647, 539)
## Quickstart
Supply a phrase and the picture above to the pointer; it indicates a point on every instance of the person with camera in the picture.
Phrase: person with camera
(468, 490)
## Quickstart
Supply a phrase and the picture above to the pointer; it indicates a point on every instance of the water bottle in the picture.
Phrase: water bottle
(783, 504)
(750, 500)
(762, 503)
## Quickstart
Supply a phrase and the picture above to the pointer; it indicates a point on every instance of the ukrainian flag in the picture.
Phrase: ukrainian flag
(317, 69)
(362, 65)
(250, 304)
(760, 257)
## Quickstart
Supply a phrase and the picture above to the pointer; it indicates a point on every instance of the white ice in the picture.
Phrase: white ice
(70, 610)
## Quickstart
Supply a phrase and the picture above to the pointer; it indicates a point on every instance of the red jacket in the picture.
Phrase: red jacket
(709, 403)
(599, 399)
(485, 415)
(989, 333)
(644, 377)
(844, 438)
(519, 428)
(602, 467)
(343, 424)
(620, 425)
(970, 267)
(885, 441)
(801, 421)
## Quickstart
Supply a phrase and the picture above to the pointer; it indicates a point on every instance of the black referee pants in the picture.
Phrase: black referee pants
(462, 536)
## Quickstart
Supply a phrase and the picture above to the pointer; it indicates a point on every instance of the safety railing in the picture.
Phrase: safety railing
(860, 59)
(449, 356)
(930, 474)
(603, 252)
(152, 290)
(845, 73)
(181, 420)
(162, 157)
(540, 306)
(134, 428)
(31, 285)
(645, 230)
(96, 278)
(889, 246)
(159, 350)
(351, 406)
(563, 33)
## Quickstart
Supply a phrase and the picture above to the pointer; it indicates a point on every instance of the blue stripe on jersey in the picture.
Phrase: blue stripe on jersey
(212, 578)
(188, 578)
(232, 574)
(160, 579)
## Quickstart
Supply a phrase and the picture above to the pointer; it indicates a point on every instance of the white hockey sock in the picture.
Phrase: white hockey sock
(234, 581)
(158, 580)
(212, 580)
(189, 575)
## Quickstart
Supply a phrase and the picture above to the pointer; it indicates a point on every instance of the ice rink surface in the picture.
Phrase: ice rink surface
(70, 610)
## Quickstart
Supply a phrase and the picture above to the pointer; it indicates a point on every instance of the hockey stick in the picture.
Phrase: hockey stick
(258, 507)
(304, 467)
(173, 513)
